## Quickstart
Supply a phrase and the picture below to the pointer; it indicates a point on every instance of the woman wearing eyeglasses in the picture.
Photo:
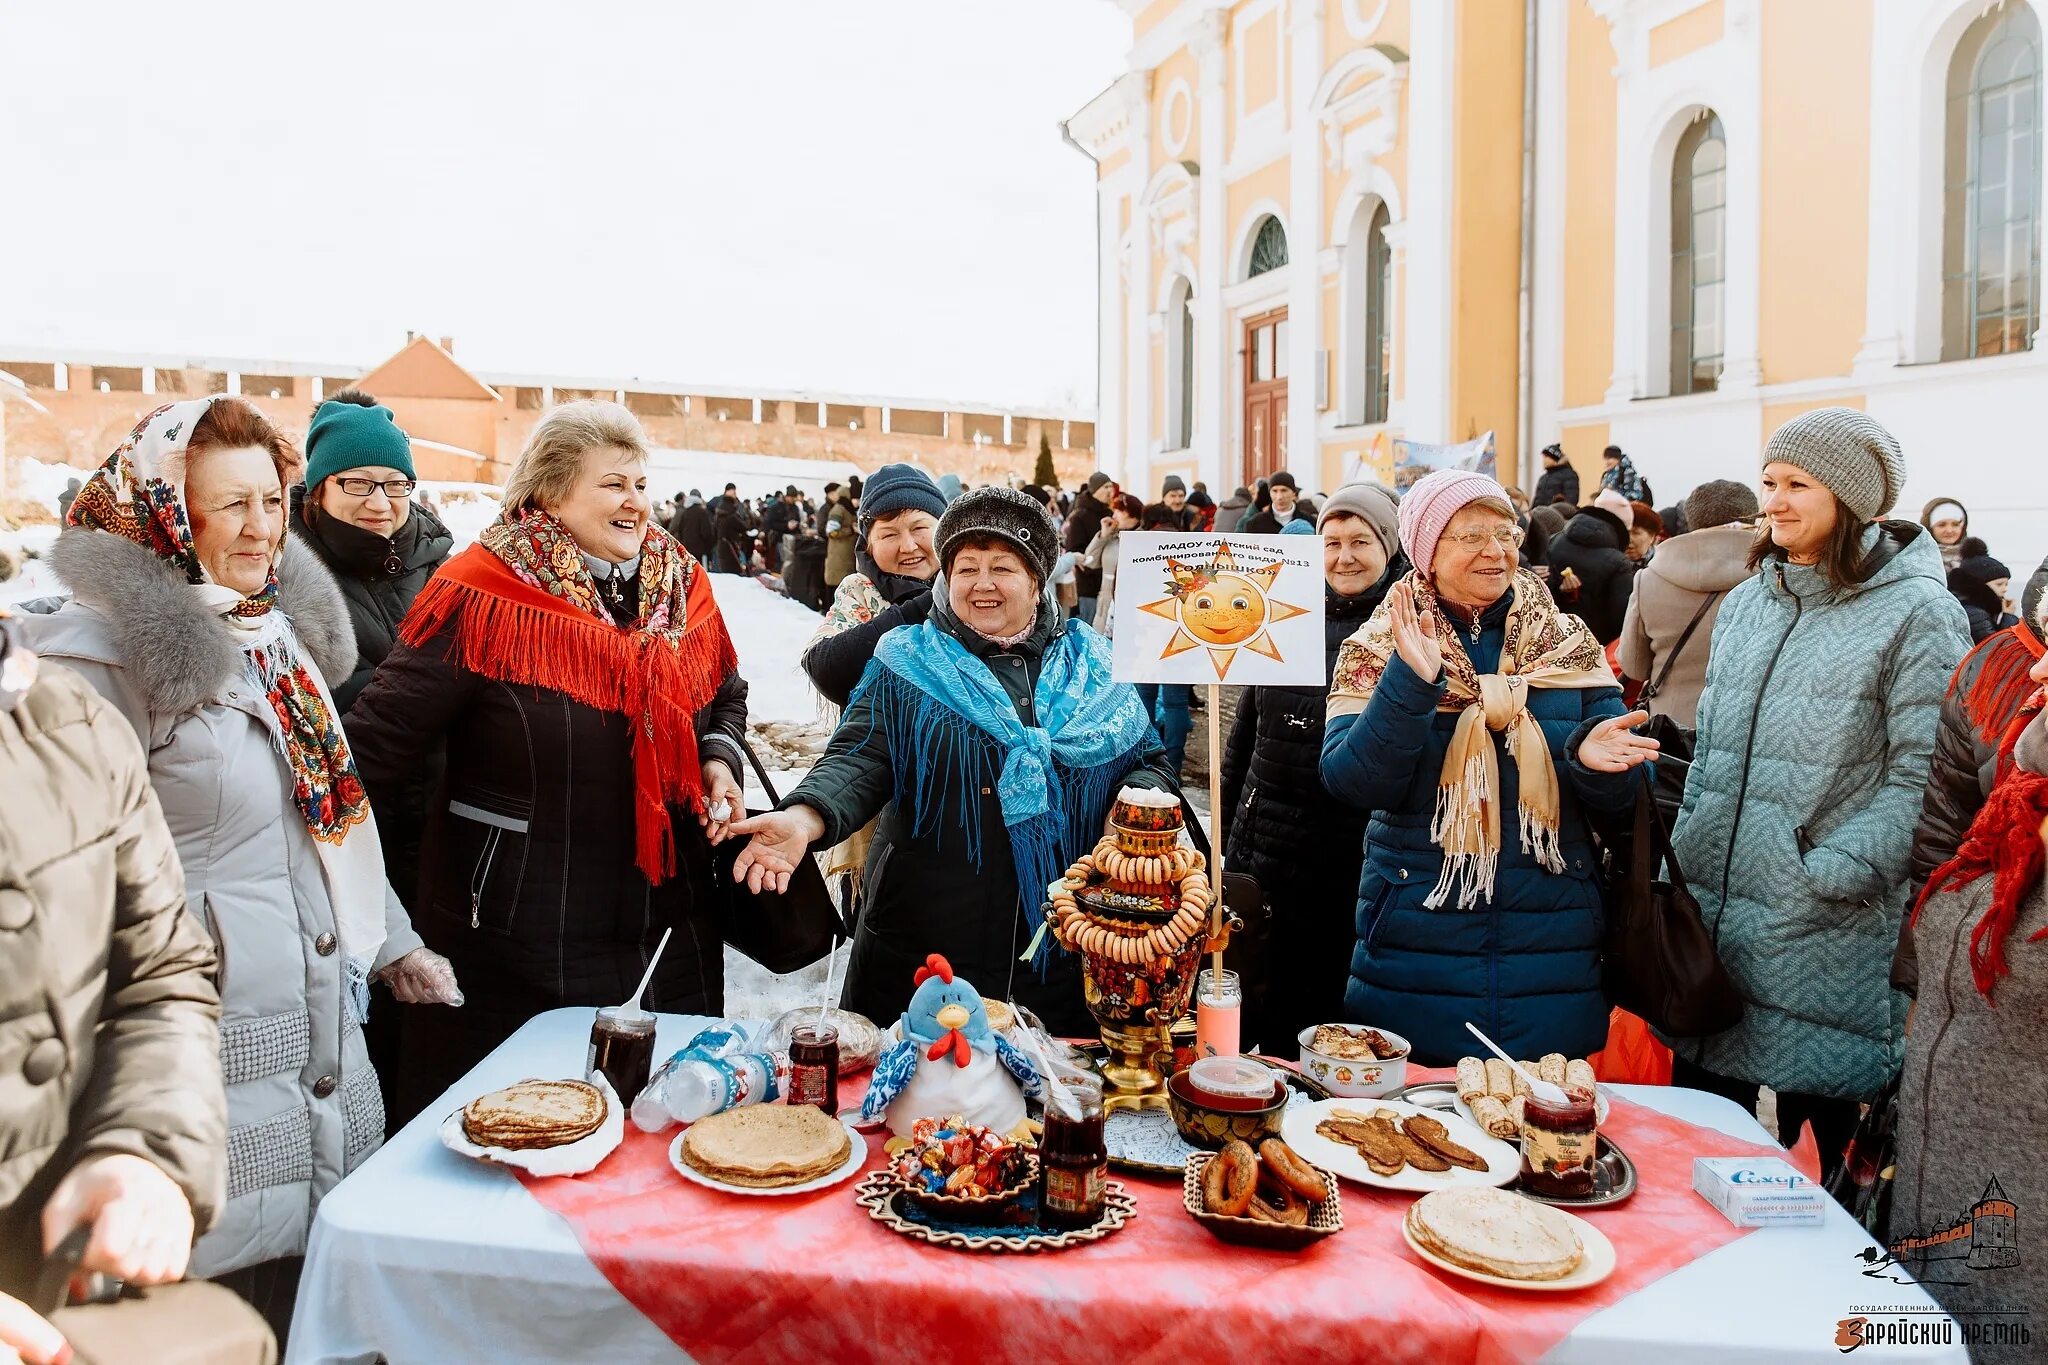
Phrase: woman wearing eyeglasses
(1476, 721)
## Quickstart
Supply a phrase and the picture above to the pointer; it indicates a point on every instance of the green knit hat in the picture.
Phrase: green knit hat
(348, 436)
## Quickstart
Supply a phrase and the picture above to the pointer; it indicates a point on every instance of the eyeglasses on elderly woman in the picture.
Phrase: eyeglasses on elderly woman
(1507, 537)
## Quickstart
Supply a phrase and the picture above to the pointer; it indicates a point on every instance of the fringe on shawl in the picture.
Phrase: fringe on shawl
(2001, 686)
(935, 752)
(2005, 840)
(656, 682)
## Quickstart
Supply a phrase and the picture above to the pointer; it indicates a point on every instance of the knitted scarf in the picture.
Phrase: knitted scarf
(2005, 840)
(525, 609)
(1542, 648)
(947, 722)
(139, 495)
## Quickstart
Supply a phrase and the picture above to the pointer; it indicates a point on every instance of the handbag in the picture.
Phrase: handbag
(1658, 960)
(1863, 1183)
(1674, 741)
(784, 931)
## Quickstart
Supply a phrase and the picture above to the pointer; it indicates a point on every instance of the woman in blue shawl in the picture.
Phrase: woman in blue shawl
(990, 740)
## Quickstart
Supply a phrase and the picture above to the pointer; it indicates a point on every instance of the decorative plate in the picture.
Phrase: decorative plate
(1597, 1264)
(881, 1194)
(846, 1169)
(1614, 1175)
(1298, 1130)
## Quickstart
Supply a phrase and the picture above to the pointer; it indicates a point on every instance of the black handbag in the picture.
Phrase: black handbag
(1658, 960)
(784, 931)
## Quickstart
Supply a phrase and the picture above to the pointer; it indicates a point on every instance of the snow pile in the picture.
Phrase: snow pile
(40, 483)
(26, 553)
(465, 508)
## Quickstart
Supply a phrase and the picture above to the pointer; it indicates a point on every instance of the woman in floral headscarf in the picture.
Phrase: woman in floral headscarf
(1473, 719)
(215, 637)
(575, 663)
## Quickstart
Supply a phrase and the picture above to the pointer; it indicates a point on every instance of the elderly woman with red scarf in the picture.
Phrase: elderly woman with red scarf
(1972, 1095)
(577, 668)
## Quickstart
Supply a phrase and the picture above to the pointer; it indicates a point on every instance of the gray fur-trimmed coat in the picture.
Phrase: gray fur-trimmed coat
(303, 1104)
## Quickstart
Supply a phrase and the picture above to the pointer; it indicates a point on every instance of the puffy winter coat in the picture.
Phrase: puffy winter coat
(378, 576)
(1815, 732)
(1561, 482)
(1594, 548)
(303, 1107)
(923, 892)
(109, 1023)
(868, 605)
(1103, 552)
(1080, 530)
(838, 524)
(1304, 845)
(1525, 967)
(528, 879)
(1669, 591)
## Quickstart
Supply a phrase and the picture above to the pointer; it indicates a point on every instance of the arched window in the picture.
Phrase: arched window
(1991, 240)
(1699, 196)
(1269, 249)
(1379, 308)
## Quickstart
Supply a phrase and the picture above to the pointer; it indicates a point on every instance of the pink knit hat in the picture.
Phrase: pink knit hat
(1428, 506)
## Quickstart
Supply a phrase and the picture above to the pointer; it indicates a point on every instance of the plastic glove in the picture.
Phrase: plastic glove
(141, 1221)
(26, 1335)
(422, 977)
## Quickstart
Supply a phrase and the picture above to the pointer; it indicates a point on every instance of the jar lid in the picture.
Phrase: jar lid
(622, 1016)
(1237, 1078)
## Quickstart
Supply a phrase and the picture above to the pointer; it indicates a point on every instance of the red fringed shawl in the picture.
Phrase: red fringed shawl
(2001, 688)
(2005, 840)
(511, 632)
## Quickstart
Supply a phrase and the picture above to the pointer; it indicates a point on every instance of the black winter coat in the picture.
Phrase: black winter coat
(1594, 547)
(1082, 524)
(835, 663)
(1160, 517)
(1304, 845)
(528, 880)
(379, 577)
(921, 892)
(1267, 522)
(1561, 482)
(692, 526)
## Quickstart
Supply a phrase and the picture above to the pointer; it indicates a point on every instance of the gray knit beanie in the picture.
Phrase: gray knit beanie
(1172, 483)
(1374, 504)
(1718, 502)
(1016, 518)
(1848, 451)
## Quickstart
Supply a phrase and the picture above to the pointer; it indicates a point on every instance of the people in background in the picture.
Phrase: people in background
(1678, 596)
(1203, 507)
(1078, 532)
(991, 741)
(1948, 521)
(1304, 845)
(1469, 708)
(781, 524)
(1620, 475)
(1591, 574)
(840, 527)
(1126, 514)
(1980, 583)
(1283, 495)
(1823, 693)
(1559, 482)
(1171, 512)
(213, 634)
(576, 667)
(891, 585)
(1232, 511)
(729, 530)
(692, 526)
(1645, 533)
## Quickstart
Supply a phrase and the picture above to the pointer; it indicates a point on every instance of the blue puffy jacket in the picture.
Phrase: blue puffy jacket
(1526, 966)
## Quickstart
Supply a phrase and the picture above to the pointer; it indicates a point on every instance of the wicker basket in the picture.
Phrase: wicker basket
(1325, 1216)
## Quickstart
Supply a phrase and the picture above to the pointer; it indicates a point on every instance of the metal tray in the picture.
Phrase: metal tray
(1145, 1142)
(1614, 1175)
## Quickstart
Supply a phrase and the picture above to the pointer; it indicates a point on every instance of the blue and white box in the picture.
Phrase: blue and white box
(1759, 1192)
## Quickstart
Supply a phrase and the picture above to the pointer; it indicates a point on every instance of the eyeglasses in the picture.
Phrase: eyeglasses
(398, 490)
(1507, 537)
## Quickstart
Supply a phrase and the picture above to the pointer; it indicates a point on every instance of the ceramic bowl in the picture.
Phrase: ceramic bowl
(979, 1208)
(1201, 1125)
(1354, 1078)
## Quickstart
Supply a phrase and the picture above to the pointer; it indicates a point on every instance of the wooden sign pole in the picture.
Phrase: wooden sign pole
(1217, 825)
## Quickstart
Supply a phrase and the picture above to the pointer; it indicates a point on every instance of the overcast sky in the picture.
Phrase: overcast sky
(858, 195)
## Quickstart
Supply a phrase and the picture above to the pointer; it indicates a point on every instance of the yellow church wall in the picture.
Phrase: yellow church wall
(1816, 188)
(1588, 303)
(1260, 43)
(1152, 16)
(1181, 66)
(1688, 33)
(1583, 445)
(1113, 163)
(1486, 226)
(1267, 182)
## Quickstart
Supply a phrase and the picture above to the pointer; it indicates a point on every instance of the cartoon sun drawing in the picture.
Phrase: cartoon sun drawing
(1222, 608)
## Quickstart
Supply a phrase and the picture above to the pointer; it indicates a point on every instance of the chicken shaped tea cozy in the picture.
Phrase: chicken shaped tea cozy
(950, 1061)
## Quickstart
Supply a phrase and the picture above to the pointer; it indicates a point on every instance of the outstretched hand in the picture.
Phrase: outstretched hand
(1415, 634)
(1612, 746)
(780, 837)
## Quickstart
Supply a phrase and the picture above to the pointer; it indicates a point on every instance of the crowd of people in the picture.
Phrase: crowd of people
(328, 811)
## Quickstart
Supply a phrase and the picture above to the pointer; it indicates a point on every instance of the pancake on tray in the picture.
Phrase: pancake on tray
(534, 1114)
(767, 1146)
(1496, 1233)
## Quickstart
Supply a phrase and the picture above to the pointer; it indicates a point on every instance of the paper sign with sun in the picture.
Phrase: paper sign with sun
(1228, 599)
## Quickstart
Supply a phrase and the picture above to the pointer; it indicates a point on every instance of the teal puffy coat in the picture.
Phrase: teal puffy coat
(1816, 729)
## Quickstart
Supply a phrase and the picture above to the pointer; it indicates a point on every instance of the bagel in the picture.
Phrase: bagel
(1230, 1180)
(1273, 1202)
(1284, 1165)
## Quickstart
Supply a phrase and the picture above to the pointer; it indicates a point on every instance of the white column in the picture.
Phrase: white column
(1109, 398)
(1304, 243)
(1742, 294)
(1426, 305)
(1397, 323)
(1216, 430)
(1547, 342)
(149, 379)
(1140, 438)
(1632, 283)
(1895, 157)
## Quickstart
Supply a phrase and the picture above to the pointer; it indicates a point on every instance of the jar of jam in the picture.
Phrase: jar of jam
(622, 1047)
(814, 1066)
(1559, 1142)
(1073, 1157)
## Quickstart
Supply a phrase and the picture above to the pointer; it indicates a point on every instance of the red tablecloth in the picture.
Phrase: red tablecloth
(811, 1277)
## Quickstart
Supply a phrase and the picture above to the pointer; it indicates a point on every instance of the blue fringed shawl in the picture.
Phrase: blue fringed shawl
(933, 699)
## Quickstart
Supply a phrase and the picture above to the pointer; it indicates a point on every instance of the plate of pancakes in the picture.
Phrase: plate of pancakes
(541, 1127)
(1398, 1145)
(1499, 1238)
(769, 1149)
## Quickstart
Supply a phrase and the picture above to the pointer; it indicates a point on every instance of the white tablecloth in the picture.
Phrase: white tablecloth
(423, 1256)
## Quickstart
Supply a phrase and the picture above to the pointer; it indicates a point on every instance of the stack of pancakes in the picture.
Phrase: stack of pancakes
(767, 1146)
(1496, 1233)
(534, 1114)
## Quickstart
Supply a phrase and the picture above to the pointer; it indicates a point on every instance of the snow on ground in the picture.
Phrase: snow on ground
(27, 550)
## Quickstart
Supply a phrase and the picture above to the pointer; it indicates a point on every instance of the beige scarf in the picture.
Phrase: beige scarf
(1543, 648)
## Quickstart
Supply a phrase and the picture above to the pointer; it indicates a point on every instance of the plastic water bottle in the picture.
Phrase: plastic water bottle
(707, 1077)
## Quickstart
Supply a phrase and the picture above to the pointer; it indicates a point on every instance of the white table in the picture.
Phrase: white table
(423, 1256)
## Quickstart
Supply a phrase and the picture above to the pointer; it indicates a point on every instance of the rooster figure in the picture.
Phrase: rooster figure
(950, 1061)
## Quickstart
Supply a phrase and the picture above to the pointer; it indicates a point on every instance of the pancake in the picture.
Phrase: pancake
(1497, 1233)
(533, 1115)
(767, 1146)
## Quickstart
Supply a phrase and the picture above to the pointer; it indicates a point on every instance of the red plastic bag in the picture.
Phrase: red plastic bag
(1633, 1056)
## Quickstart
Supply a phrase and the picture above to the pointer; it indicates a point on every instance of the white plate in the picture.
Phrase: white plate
(1298, 1128)
(1596, 1266)
(846, 1169)
(571, 1158)
(1600, 1107)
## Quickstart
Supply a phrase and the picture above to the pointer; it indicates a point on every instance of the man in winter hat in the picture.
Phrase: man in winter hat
(1980, 583)
(1559, 482)
(1170, 513)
